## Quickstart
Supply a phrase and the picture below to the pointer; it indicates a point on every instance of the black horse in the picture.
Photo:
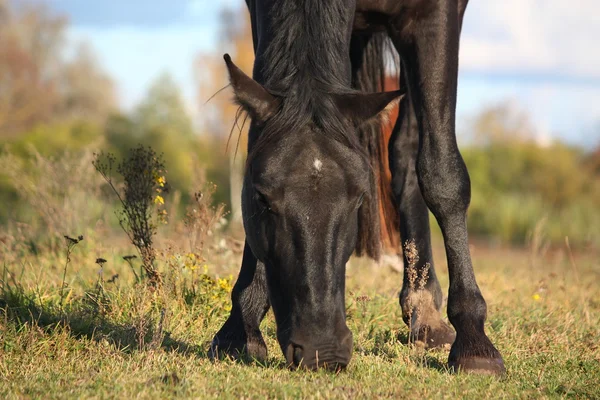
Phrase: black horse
(310, 196)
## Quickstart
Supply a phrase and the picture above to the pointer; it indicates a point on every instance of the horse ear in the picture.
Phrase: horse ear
(363, 107)
(251, 95)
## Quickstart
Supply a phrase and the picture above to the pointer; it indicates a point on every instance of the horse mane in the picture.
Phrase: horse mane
(310, 47)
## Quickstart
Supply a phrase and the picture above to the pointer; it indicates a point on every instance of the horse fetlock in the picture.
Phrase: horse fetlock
(467, 310)
(424, 320)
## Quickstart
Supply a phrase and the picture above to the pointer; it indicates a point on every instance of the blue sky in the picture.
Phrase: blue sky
(540, 55)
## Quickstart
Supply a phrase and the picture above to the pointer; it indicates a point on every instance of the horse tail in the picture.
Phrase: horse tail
(372, 56)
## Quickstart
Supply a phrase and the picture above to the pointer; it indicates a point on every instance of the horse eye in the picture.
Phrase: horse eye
(262, 200)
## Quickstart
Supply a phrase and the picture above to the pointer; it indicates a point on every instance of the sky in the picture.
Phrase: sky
(539, 55)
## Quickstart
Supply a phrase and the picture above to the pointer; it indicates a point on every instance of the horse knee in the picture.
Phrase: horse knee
(444, 182)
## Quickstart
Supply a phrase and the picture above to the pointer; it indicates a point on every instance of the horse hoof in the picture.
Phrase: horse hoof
(479, 366)
(220, 351)
(442, 336)
(246, 352)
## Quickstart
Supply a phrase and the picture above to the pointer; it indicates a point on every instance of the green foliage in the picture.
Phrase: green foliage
(186, 157)
(518, 185)
(50, 195)
(162, 123)
(164, 109)
(56, 139)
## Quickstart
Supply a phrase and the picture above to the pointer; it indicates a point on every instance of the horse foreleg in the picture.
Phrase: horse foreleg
(240, 336)
(421, 295)
(428, 45)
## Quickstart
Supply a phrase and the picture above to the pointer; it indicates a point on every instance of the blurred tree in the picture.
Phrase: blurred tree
(4, 12)
(164, 108)
(27, 42)
(510, 159)
(594, 162)
(25, 98)
(161, 122)
(37, 84)
(502, 123)
(119, 132)
(518, 184)
(57, 138)
(86, 91)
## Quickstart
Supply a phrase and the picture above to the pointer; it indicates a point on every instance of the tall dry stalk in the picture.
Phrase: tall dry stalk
(143, 186)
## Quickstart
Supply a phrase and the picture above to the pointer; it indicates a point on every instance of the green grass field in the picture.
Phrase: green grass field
(108, 337)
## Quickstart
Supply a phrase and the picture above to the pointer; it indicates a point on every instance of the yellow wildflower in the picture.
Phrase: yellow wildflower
(159, 179)
(191, 261)
(224, 284)
(536, 297)
(159, 200)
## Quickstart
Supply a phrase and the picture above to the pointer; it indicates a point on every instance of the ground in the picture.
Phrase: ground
(107, 337)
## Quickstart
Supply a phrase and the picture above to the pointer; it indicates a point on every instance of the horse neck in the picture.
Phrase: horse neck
(302, 43)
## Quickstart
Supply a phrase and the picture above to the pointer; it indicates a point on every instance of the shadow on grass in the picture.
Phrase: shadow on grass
(426, 359)
(84, 321)
(434, 363)
(384, 343)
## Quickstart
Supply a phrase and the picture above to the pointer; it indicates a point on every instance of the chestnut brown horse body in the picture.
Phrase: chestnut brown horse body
(313, 190)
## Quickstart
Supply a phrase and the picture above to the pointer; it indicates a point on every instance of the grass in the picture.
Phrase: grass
(113, 338)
